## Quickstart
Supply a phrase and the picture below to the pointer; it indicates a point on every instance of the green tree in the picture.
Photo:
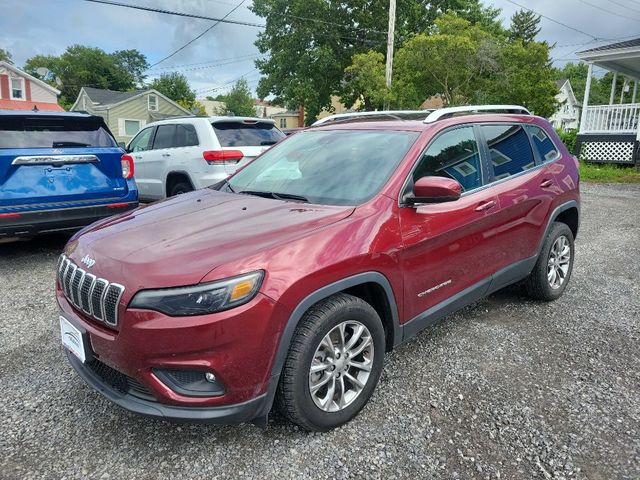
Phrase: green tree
(239, 101)
(364, 80)
(525, 26)
(306, 60)
(454, 61)
(81, 66)
(5, 56)
(175, 86)
(525, 77)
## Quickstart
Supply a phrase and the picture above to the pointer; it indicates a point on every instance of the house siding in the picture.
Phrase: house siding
(39, 94)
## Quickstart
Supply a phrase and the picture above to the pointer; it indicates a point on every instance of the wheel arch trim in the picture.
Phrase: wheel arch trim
(180, 173)
(325, 292)
(554, 215)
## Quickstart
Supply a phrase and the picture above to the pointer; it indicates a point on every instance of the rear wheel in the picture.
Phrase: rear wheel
(553, 269)
(179, 188)
(333, 365)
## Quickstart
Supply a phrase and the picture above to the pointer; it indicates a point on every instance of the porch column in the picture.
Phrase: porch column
(585, 102)
(635, 90)
(613, 87)
(624, 85)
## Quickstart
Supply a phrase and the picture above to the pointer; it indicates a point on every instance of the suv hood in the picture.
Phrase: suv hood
(178, 241)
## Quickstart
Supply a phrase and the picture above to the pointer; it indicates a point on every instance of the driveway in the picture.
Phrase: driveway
(506, 388)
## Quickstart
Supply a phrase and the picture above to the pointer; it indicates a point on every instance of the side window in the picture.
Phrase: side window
(509, 149)
(186, 135)
(543, 144)
(142, 141)
(165, 137)
(453, 154)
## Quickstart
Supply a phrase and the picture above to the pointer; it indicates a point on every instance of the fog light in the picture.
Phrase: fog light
(210, 377)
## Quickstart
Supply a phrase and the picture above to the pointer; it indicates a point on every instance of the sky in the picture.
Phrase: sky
(226, 53)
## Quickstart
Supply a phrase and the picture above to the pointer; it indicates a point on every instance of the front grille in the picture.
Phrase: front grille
(119, 381)
(94, 296)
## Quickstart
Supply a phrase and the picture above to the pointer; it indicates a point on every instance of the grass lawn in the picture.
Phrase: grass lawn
(604, 173)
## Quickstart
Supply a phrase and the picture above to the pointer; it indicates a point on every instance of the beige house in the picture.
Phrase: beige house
(289, 119)
(127, 112)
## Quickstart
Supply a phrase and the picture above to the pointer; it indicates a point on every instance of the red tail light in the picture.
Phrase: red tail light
(126, 162)
(7, 215)
(228, 156)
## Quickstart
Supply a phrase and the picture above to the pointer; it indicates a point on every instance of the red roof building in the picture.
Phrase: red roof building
(21, 91)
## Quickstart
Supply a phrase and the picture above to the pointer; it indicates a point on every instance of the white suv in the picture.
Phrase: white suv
(182, 154)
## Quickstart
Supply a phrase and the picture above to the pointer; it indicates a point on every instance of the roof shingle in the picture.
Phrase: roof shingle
(109, 97)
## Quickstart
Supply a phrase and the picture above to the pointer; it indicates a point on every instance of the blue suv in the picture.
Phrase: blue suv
(59, 172)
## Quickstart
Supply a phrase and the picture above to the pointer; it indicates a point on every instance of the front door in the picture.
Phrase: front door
(447, 246)
(139, 148)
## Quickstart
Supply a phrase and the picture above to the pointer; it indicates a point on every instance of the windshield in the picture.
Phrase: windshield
(53, 132)
(331, 167)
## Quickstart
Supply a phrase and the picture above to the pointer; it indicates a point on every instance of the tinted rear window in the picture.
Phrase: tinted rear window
(236, 134)
(53, 132)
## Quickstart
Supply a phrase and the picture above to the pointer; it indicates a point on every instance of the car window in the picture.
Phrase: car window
(453, 154)
(543, 144)
(333, 167)
(142, 141)
(186, 135)
(509, 149)
(165, 137)
(250, 134)
(53, 132)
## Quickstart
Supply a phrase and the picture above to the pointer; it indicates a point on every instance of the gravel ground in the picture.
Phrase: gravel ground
(507, 388)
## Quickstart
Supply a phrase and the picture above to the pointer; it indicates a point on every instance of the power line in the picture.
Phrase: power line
(204, 65)
(179, 14)
(555, 21)
(625, 6)
(626, 17)
(201, 67)
(201, 35)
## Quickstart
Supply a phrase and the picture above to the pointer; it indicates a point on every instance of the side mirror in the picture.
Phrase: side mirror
(435, 190)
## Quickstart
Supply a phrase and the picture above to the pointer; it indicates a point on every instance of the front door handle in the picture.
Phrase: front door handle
(485, 206)
(546, 183)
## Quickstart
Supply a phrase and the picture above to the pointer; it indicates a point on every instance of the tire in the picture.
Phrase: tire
(180, 188)
(294, 398)
(539, 284)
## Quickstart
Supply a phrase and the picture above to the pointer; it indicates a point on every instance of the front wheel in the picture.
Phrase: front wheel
(333, 365)
(553, 269)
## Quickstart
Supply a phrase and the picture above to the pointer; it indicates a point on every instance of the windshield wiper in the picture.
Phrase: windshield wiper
(69, 144)
(276, 195)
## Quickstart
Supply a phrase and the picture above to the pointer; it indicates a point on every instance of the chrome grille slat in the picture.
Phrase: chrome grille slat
(96, 297)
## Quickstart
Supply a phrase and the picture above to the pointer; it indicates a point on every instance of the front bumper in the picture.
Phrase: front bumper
(26, 224)
(237, 345)
(227, 414)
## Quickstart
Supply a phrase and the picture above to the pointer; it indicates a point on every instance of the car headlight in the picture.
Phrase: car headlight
(200, 299)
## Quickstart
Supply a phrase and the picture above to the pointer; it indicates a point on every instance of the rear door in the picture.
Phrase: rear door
(57, 160)
(158, 158)
(525, 189)
(250, 136)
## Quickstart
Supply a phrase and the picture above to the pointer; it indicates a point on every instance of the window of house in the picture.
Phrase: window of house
(153, 102)
(17, 88)
(131, 127)
(510, 149)
(283, 123)
(543, 144)
(454, 154)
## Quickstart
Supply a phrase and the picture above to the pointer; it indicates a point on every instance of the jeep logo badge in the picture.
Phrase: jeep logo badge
(88, 261)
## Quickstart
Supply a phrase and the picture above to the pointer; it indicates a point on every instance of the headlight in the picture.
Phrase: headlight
(200, 299)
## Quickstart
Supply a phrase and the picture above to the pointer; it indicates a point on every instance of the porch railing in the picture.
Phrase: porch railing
(612, 119)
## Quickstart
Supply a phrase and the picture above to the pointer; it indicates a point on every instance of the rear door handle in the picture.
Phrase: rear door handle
(485, 205)
(546, 183)
(166, 154)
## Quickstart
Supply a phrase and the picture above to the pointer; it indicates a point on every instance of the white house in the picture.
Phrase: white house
(21, 91)
(567, 116)
(611, 133)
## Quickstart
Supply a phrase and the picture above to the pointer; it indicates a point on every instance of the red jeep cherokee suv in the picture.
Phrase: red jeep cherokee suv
(289, 281)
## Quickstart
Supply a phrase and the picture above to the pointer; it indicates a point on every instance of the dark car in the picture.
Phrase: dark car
(59, 171)
(289, 281)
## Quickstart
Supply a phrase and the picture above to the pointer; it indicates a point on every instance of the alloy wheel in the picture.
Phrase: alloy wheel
(559, 262)
(341, 366)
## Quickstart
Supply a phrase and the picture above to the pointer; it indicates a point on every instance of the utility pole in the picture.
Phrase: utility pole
(390, 37)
